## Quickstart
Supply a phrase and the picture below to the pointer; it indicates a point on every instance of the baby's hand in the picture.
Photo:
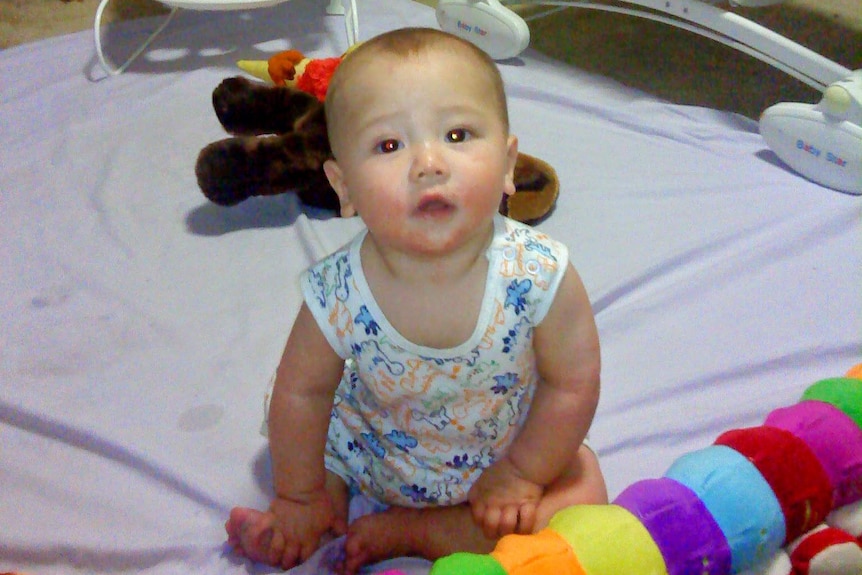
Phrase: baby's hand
(287, 534)
(504, 502)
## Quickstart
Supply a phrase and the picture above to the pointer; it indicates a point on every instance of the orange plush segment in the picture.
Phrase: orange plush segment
(543, 553)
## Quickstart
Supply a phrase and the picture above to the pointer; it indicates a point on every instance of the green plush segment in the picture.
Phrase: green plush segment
(845, 393)
(467, 564)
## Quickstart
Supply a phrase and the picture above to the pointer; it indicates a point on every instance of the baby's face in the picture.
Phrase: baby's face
(422, 150)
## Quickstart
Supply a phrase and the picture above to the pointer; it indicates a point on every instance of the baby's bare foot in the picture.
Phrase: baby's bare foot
(380, 536)
(250, 532)
(403, 532)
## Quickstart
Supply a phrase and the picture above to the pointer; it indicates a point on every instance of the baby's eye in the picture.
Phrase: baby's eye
(388, 146)
(457, 135)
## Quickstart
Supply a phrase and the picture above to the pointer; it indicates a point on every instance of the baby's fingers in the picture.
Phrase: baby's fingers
(491, 522)
(508, 521)
(478, 510)
(526, 519)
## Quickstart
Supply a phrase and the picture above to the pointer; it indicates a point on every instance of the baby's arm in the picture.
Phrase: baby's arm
(566, 344)
(299, 412)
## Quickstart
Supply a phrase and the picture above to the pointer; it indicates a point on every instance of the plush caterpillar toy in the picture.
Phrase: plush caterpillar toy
(784, 498)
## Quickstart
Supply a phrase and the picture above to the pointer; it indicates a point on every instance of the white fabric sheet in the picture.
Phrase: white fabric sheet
(140, 324)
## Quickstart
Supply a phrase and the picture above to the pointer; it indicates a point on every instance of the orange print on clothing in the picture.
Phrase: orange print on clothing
(341, 320)
(498, 320)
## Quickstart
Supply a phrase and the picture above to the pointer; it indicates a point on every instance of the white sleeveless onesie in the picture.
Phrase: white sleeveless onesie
(415, 426)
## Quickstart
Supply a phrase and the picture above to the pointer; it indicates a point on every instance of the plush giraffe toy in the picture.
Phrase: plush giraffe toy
(280, 142)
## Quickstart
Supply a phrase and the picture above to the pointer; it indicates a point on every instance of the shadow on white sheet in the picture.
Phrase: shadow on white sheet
(140, 325)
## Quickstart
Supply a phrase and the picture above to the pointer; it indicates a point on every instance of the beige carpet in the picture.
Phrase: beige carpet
(662, 60)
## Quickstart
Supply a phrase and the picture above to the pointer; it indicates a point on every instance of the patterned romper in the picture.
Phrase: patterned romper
(415, 426)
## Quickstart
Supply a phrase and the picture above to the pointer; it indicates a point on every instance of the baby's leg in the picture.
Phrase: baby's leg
(582, 484)
(435, 532)
(430, 533)
(255, 534)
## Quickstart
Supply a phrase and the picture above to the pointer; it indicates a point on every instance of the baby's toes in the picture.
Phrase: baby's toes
(238, 518)
(253, 532)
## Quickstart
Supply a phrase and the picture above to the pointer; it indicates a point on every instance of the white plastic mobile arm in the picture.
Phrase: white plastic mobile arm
(340, 7)
(509, 35)
(734, 31)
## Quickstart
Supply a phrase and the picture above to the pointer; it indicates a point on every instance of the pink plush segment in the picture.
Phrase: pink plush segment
(834, 438)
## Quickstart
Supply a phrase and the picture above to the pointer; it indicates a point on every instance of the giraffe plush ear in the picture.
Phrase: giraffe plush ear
(536, 191)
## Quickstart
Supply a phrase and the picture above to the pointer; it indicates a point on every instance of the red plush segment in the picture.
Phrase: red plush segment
(792, 471)
(816, 543)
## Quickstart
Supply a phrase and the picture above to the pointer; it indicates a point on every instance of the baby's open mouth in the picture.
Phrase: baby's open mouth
(434, 205)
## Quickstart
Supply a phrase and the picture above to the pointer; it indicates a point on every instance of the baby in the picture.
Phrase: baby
(446, 361)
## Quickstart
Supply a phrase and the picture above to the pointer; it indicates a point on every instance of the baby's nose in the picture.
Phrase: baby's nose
(429, 163)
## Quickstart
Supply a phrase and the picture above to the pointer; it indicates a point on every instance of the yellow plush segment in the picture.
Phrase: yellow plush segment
(608, 540)
(543, 553)
(855, 372)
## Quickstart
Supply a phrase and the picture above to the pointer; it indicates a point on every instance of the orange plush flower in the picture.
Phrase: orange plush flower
(282, 66)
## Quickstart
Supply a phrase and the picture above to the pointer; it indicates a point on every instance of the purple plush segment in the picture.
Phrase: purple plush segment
(834, 438)
(683, 529)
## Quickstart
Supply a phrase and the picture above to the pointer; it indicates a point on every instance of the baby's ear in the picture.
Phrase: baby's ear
(336, 180)
(511, 160)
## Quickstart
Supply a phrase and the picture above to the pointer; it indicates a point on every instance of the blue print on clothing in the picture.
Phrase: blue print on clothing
(516, 294)
(459, 461)
(401, 440)
(417, 494)
(378, 356)
(504, 383)
(468, 360)
(316, 278)
(438, 418)
(511, 339)
(533, 246)
(374, 444)
(324, 284)
(365, 318)
(342, 288)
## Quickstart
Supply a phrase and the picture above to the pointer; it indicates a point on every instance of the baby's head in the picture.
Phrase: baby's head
(419, 131)
(409, 46)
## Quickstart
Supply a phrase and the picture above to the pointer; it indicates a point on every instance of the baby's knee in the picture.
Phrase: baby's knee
(589, 476)
(581, 484)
